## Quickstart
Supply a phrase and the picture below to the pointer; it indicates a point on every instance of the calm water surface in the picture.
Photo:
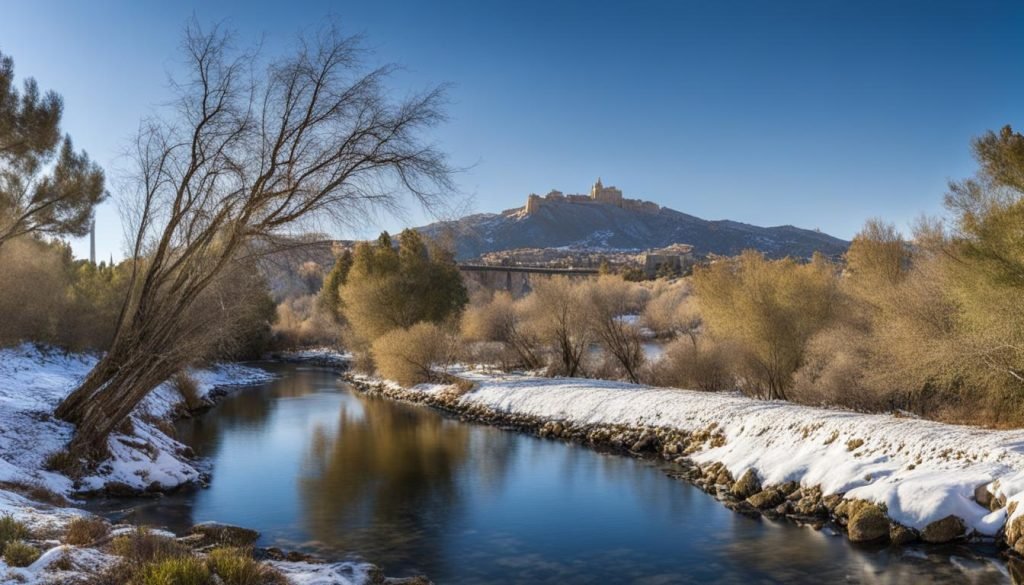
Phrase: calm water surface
(317, 467)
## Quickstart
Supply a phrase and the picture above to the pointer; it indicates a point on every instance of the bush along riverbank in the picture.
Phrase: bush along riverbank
(46, 539)
(879, 478)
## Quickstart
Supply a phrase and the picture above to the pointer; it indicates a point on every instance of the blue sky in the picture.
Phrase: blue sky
(818, 114)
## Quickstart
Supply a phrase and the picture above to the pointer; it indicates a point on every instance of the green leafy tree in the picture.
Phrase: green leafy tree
(390, 288)
(330, 293)
(45, 186)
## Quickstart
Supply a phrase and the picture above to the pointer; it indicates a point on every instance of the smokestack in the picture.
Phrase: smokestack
(92, 242)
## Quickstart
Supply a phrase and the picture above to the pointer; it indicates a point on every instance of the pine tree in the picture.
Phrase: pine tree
(330, 292)
(45, 186)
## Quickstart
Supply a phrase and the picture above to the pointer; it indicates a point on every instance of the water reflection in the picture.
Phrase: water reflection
(384, 482)
(319, 468)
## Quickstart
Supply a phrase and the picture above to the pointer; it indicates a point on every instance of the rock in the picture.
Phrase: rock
(1014, 530)
(982, 495)
(645, 442)
(768, 498)
(789, 487)
(831, 501)
(945, 530)
(868, 524)
(724, 477)
(900, 535)
(747, 485)
(671, 449)
(785, 508)
(224, 534)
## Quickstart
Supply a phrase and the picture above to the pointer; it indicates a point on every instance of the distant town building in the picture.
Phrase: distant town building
(598, 194)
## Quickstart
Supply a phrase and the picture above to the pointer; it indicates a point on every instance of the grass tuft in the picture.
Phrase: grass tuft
(188, 570)
(18, 553)
(85, 530)
(11, 530)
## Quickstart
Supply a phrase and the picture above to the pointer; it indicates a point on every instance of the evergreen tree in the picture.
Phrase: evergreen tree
(45, 186)
(330, 292)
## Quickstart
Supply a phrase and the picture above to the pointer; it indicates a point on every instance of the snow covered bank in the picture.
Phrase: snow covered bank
(918, 472)
(34, 380)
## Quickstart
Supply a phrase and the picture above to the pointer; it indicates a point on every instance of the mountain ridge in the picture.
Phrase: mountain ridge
(595, 225)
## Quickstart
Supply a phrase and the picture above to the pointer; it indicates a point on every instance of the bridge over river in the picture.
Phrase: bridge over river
(518, 279)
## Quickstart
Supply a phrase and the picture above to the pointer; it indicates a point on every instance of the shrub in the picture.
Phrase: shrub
(20, 554)
(85, 530)
(672, 311)
(499, 320)
(555, 314)
(186, 570)
(11, 530)
(188, 388)
(412, 356)
(769, 310)
(608, 300)
(695, 365)
(62, 462)
(142, 546)
(235, 566)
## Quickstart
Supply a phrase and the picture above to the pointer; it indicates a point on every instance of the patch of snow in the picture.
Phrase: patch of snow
(326, 574)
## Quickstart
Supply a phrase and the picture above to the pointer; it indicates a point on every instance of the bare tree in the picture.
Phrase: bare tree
(609, 300)
(248, 152)
(45, 186)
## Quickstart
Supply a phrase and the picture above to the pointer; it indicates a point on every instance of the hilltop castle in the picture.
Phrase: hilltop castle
(598, 194)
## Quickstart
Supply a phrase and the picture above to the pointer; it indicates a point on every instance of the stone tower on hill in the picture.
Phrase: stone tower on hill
(609, 195)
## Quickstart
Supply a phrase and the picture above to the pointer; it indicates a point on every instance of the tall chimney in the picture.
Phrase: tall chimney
(92, 242)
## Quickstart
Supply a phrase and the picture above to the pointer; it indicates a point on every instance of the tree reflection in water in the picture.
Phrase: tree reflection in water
(386, 482)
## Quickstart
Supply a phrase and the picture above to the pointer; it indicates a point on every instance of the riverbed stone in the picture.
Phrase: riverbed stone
(869, 523)
(768, 498)
(789, 487)
(982, 495)
(944, 530)
(747, 485)
(900, 535)
(724, 477)
(1014, 529)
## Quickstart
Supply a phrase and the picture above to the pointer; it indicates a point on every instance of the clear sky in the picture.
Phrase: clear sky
(817, 113)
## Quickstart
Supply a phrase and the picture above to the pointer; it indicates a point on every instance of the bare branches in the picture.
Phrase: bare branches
(248, 151)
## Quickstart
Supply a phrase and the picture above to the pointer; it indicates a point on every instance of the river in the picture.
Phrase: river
(318, 467)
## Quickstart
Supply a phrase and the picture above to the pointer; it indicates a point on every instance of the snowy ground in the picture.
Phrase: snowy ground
(32, 382)
(922, 471)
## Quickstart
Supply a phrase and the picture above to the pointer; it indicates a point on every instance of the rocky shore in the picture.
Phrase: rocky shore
(749, 494)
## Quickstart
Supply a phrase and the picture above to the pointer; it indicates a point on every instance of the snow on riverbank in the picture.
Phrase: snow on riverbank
(33, 381)
(922, 471)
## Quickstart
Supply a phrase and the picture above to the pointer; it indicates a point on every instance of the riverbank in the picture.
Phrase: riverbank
(144, 459)
(879, 477)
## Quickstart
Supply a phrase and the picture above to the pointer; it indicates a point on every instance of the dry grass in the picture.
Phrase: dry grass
(20, 554)
(86, 530)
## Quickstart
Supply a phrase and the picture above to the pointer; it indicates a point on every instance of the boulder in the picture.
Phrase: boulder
(747, 485)
(900, 535)
(868, 524)
(724, 477)
(982, 495)
(768, 498)
(944, 530)
(1014, 529)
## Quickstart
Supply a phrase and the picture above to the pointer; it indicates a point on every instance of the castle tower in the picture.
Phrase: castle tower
(595, 190)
